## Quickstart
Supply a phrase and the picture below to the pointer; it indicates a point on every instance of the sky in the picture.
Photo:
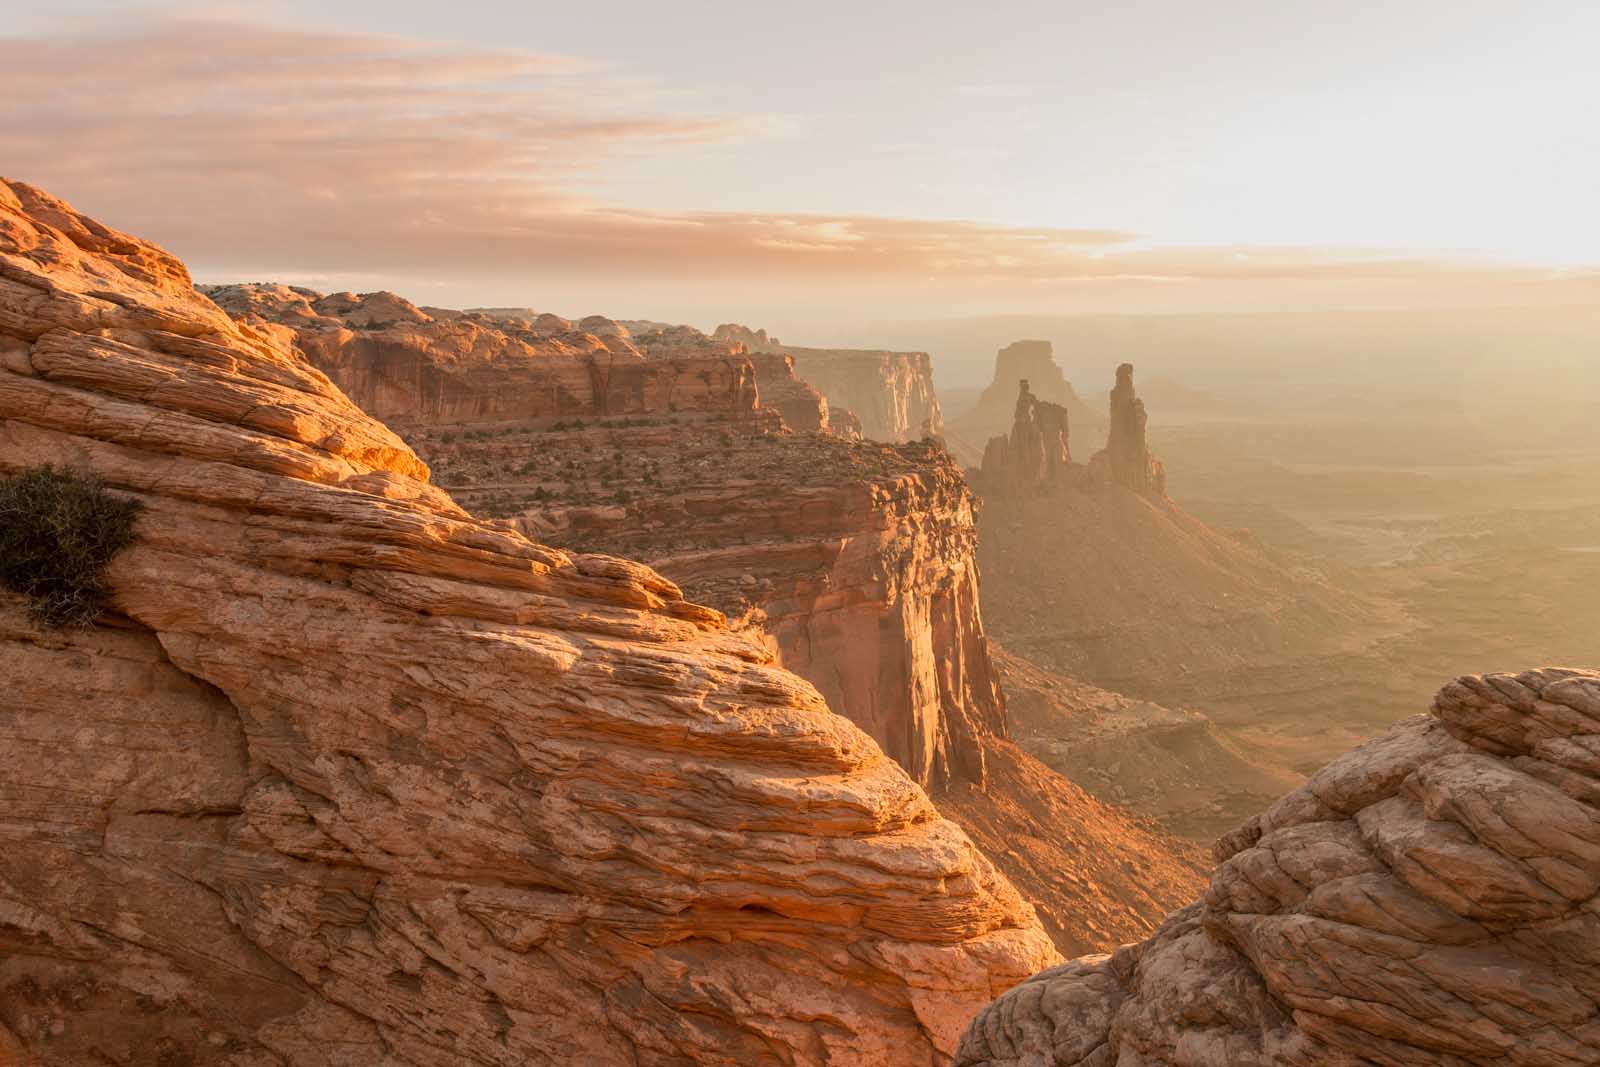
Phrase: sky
(786, 165)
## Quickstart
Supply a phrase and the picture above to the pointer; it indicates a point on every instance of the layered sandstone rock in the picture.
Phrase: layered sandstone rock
(1429, 898)
(890, 393)
(357, 778)
(853, 561)
(407, 366)
(1127, 460)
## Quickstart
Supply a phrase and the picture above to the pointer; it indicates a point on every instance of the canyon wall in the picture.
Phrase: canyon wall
(854, 561)
(1429, 898)
(405, 365)
(346, 775)
(890, 393)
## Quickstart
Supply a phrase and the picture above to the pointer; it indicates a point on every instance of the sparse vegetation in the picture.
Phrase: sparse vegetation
(58, 530)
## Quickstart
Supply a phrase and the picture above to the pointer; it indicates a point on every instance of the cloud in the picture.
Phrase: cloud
(256, 147)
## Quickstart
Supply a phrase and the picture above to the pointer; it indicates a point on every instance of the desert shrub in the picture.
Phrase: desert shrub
(58, 530)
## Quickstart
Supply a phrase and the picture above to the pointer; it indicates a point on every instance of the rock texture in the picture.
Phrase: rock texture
(1127, 460)
(889, 393)
(1035, 454)
(408, 366)
(358, 778)
(1427, 899)
(854, 562)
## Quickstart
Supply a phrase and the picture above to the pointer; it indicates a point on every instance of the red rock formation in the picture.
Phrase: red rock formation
(358, 778)
(1035, 455)
(800, 404)
(1429, 898)
(1126, 460)
(408, 367)
(853, 562)
(1021, 361)
(890, 393)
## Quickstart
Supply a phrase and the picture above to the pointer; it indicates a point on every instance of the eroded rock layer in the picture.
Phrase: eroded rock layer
(407, 365)
(363, 779)
(890, 393)
(853, 561)
(1429, 898)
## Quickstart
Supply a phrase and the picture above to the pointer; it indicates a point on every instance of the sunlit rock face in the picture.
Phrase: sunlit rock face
(409, 366)
(350, 776)
(1429, 898)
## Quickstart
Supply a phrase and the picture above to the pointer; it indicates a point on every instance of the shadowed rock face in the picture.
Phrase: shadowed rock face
(358, 778)
(1429, 898)
(1127, 460)
(1035, 455)
(889, 394)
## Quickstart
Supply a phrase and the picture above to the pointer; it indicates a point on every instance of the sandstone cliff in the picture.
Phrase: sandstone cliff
(890, 393)
(1427, 899)
(407, 366)
(853, 562)
(357, 778)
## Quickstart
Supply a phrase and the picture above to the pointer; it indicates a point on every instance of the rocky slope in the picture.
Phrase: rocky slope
(1429, 898)
(350, 776)
(1092, 571)
(1194, 776)
(890, 393)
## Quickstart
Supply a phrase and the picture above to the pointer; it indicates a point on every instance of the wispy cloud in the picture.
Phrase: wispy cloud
(242, 142)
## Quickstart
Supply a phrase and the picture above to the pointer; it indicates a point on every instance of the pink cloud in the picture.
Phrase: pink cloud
(256, 145)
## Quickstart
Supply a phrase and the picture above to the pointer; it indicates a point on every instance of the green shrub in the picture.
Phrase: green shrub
(58, 530)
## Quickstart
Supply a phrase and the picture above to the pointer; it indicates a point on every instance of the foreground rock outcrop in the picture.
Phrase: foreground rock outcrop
(1429, 898)
(349, 776)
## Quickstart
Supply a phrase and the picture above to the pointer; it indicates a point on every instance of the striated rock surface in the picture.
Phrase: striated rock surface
(358, 778)
(408, 366)
(890, 393)
(1429, 898)
(1127, 460)
(853, 561)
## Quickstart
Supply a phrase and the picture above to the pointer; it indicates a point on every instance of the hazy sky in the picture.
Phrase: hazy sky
(777, 163)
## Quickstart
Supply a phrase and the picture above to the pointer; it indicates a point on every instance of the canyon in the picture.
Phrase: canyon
(349, 775)
(607, 691)
(852, 561)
